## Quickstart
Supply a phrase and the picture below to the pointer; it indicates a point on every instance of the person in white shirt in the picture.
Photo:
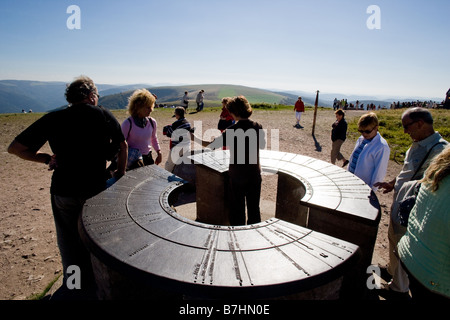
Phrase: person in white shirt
(369, 159)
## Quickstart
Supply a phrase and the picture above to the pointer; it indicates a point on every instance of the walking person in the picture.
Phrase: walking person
(299, 108)
(338, 136)
(82, 138)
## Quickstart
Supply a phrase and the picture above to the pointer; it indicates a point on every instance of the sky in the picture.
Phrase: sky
(395, 48)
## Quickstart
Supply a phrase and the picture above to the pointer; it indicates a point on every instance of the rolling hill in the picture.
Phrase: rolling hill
(171, 95)
(18, 95)
(41, 96)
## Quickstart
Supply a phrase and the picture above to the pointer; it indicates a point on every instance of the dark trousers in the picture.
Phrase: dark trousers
(66, 213)
(242, 190)
(421, 293)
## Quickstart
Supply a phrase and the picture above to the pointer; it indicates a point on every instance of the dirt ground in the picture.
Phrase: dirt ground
(29, 256)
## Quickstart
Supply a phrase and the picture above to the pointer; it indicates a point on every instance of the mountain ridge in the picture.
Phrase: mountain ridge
(44, 96)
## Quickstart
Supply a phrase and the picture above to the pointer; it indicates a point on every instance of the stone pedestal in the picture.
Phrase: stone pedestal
(289, 193)
(211, 196)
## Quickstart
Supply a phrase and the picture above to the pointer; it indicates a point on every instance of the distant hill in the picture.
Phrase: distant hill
(171, 95)
(18, 95)
(41, 96)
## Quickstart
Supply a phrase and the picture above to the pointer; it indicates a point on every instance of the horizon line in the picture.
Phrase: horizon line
(289, 91)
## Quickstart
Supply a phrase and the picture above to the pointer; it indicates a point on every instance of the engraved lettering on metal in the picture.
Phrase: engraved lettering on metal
(131, 227)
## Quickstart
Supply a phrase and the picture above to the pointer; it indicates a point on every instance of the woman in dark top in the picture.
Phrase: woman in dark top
(338, 136)
(243, 139)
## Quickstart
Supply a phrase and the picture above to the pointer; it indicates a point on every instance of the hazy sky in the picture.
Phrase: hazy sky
(400, 50)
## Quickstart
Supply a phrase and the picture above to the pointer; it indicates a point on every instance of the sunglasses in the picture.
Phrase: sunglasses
(406, 126)
(366, 131)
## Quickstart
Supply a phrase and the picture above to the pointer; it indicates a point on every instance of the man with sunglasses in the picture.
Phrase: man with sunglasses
(427, 143)
(369, 160)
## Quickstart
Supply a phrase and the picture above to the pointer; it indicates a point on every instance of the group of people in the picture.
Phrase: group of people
(86, 126)
(419, 247)
(421, 104)
(416, 252)
(344, 105)
(198, 100)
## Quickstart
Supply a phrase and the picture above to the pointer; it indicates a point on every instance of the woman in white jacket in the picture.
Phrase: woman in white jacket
(369, 159)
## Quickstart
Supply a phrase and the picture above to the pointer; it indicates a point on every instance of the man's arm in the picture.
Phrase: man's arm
(122, 159)
(26, 153)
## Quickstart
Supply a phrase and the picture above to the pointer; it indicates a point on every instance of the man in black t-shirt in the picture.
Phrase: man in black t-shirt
(82, 138)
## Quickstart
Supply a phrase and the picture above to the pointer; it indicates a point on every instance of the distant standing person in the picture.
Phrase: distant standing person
(338, 136)
(185, 101)
(447, 100)
(335, 104)
(299, 108)
(370, 158)
(199, 100)
(225, 118)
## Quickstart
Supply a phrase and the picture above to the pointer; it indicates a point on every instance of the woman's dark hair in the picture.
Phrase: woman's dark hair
(340, 112)
(240, 107)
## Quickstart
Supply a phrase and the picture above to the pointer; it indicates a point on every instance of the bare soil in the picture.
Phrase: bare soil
(29, 256)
